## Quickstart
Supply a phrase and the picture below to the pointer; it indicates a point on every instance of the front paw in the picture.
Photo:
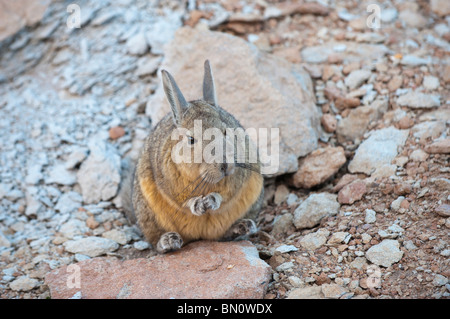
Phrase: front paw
(212, 201)
(201, 204)
(169, 241)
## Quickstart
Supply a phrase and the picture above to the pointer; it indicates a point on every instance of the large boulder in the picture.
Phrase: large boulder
(19, 13)
(259, 89)
(200, 270)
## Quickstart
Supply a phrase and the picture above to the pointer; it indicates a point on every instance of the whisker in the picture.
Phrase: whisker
(189, 185)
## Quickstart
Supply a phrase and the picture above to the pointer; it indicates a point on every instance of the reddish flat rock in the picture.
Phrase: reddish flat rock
(200, 270)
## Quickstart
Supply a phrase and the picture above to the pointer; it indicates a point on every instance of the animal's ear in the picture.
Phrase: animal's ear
(209, 90)
(174, 96)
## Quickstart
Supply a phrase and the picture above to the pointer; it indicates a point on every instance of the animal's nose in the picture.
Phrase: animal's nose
(227, 168)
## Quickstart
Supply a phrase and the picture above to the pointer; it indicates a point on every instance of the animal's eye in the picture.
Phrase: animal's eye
(191, 140)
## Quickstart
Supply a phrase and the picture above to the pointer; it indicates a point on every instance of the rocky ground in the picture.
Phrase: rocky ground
(365, 211)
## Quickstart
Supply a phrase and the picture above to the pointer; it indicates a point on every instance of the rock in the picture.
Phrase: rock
(439, 147)
(347, 102)
(137, 44)
(395, 83)
(356, 78)
(16, 14)
(68, 202)
(352, 192)
(313, 292)
(147, 65)
(34, 174)
(318, 166)
(163, 30)
(388, 15)
(385, 253)
(291, 199)
(439, 280)
(440, 7)
(23, 283)
(380, 148)
(353, 127)
(412, 19)
(443, 210)
(333, 291)
(415, 99)
(371, 216)
(91, 246)
(280, 194)
(329, 123)
(430, 82)
(395, 205)
(104, 17)
(412, 60)
(225, 269)
(72, 228)
(339, 237)
(282, 224)
(286, 248)
(428, 129)
(99, 175)
(315, 240)
(4, 242)
(116, 132)
(277, 94)
(314, 208)
(118, 236)
(77, 156)
(345, 180)
(60, 175)
(354, 51)
(418, 156)
(141, 245)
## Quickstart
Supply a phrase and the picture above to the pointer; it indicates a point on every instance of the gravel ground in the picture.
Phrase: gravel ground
(73, 100)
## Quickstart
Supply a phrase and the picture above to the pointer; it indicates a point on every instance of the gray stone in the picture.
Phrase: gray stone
(23, 283)
(385, 253)
(162, 31)
(91, 246)
(99, 175)
(68, 202)
(118, 236)
(430, 82)
(313, 292)
(4, 242)
(333, 291)
(371, 216)
(315, 240)
(339, 237)
(72, 228)
(314, 208)
(354, 51)
(413, 60)
(141, 245)
(60, 175)
(270, 91)
(137, 44)
(439, 280)
(380, 148)
(415, 99)
(34, 174)
(286, 248)
(356, 78)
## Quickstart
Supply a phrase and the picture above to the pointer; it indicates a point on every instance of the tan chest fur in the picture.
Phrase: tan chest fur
(210, 226)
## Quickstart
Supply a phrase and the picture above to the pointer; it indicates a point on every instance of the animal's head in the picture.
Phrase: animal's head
(200, 143)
